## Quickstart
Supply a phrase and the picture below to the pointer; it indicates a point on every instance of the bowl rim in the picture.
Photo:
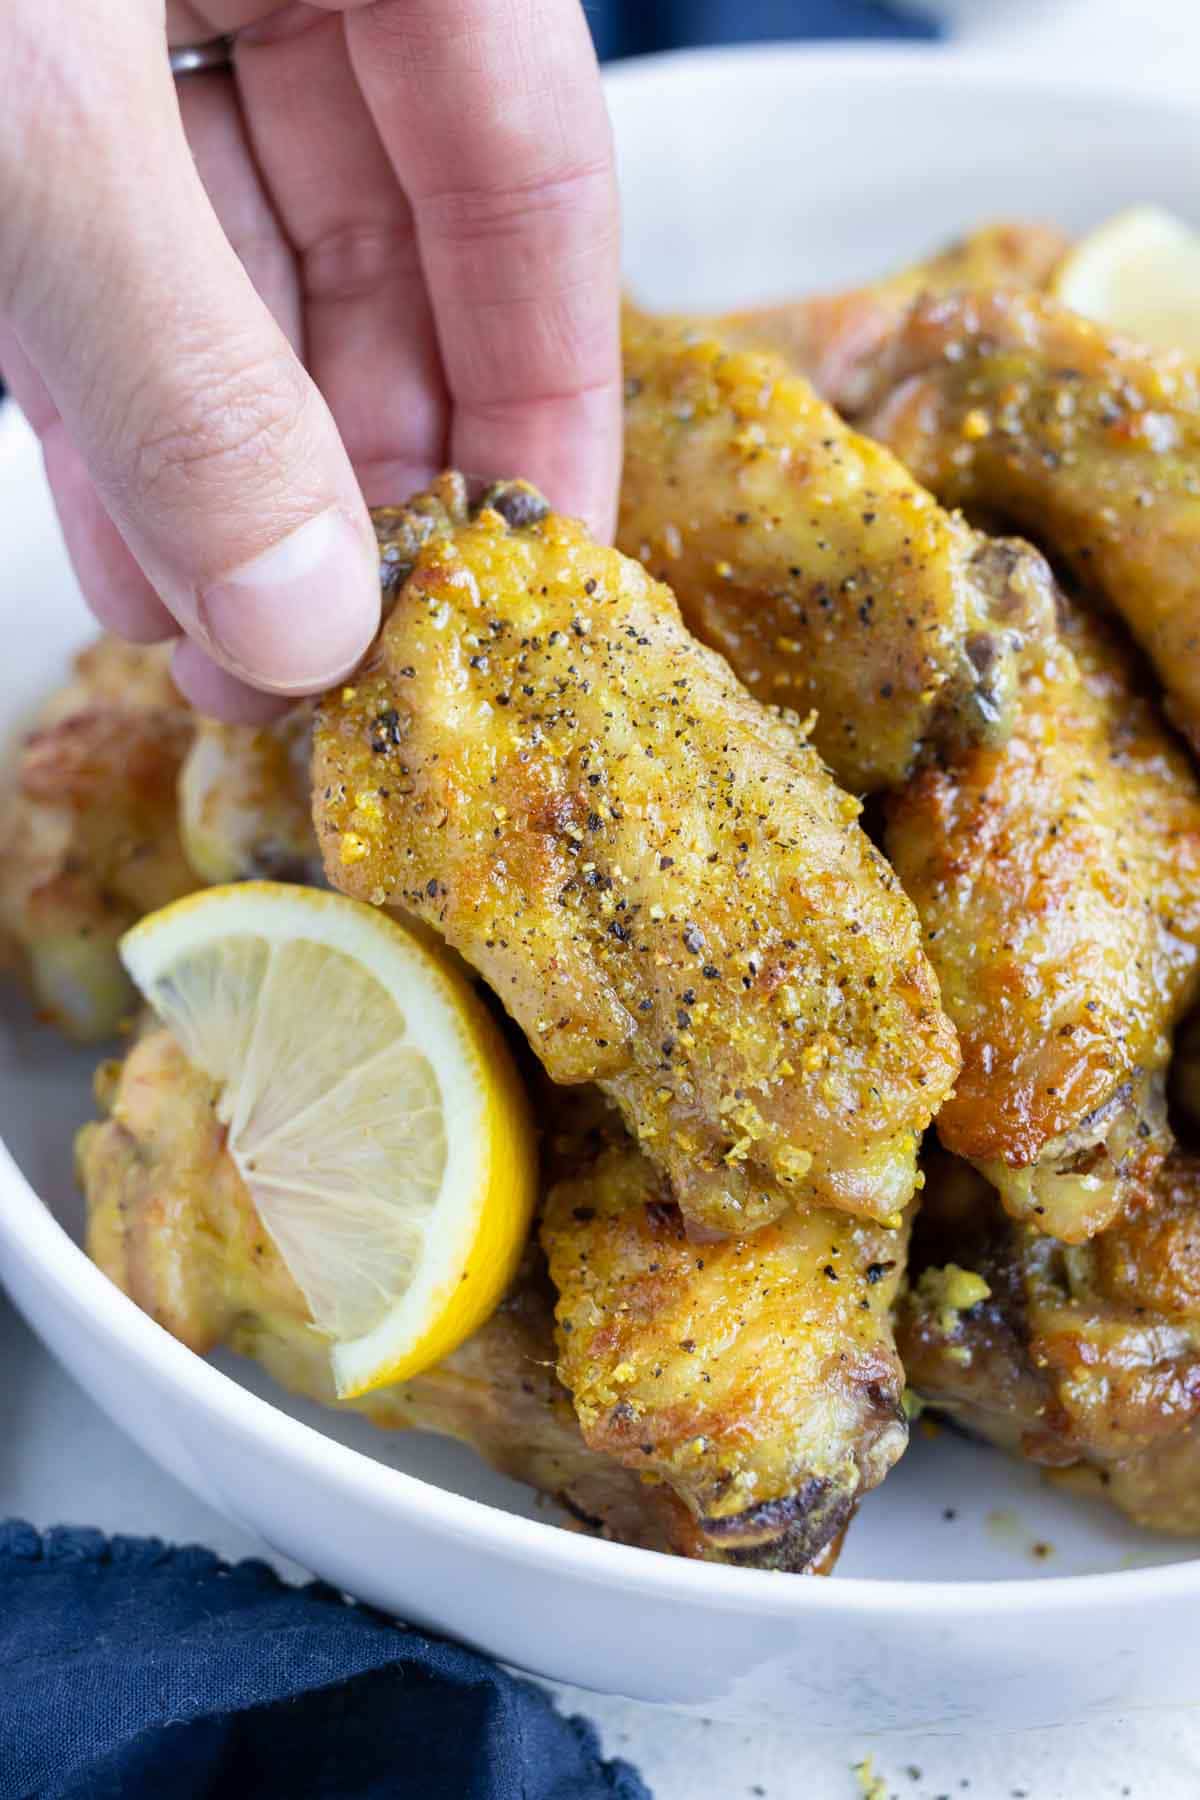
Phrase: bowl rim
(947, 65)
(33, 1236)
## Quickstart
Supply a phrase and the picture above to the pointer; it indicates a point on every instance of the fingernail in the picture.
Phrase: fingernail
(298, 617)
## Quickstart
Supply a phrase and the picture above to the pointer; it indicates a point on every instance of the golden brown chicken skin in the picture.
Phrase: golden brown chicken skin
(836, 338)
(1083, 1359)
(170, 1221)
(1087, 441)
(1058, 881)
(653, 871)
(811, 559)
(756, 1377)
(89, 837)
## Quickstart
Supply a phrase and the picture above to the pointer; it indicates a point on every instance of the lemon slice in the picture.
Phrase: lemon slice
(1139, 272)
(371, 1106)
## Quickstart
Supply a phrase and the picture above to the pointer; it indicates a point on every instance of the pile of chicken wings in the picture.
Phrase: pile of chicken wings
(832, 849)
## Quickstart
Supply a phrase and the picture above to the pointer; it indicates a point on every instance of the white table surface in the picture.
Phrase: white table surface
(61, 1461)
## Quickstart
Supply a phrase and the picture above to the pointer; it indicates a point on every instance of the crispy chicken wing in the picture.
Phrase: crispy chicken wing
(835, 339)
(88, 834)
(811, 559)
(756, 1377)
(171, 1222)
(1058, 881)
(1084, 1358)
(1087, 441)
(654, 873)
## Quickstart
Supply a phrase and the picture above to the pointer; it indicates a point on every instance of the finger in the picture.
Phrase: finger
(209, 445)
(225, 162)
(109, 578)
(494, 120)
(213, 691)
(368, 325)
(114, 587)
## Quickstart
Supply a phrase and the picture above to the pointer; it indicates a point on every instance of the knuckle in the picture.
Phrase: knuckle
(222, 430)
(559, 201)
(360, 258)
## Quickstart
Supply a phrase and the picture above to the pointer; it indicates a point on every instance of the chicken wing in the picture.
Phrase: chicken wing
(89, 839)
(1089, 442)
(811, 559)
(756, 1377)
(1084, 1359)
(835, 339)
(654, 873)
(1058, 881)
(170, 1221)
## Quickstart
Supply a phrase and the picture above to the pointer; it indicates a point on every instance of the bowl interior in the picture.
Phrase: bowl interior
(762, 173)
(745, 175)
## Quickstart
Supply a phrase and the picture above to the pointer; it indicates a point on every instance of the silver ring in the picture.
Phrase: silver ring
(198, 59)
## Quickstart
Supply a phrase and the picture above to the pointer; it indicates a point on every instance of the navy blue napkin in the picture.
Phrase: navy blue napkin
(132, 1671)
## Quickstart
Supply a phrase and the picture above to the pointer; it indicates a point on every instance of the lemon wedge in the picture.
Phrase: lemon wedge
(1140, 273)
(371, 1106)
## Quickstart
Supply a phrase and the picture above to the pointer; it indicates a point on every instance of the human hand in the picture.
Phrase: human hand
(411, 199)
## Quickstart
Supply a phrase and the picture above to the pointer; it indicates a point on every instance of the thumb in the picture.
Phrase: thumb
(211, 448)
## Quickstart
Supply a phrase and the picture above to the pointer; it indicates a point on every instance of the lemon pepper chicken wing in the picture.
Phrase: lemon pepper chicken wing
(1091, 443)
(836, 338)
(656, 876)
(811, 559)
(1084, 1359)
(756, 1377)
(1058, 881)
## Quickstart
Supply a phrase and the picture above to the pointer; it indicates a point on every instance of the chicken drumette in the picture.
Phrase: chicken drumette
(1084, 1359)
(653, 871)
(756, 1377)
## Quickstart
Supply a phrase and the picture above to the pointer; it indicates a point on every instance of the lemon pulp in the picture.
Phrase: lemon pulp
(370, 1104)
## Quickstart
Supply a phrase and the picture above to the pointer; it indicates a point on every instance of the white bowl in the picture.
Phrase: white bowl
(751, 173)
